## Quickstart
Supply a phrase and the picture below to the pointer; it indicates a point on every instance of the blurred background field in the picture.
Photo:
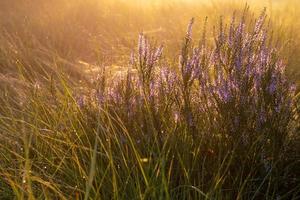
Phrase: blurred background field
(55, 35)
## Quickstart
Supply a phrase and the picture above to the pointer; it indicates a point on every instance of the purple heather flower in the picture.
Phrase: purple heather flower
(264, 58)
(164, 74)
(225, 96)
(280, 67)
(141, 44)
(196, 72)
(114, 95)
(158, 53)
(293, 89)
(238, 63)
(152, 89)
(240, 31)
(272, 86)
(259, 23)
(132, 58)
(80, 101)
(100, 97)
(190, 119)
(249, 71)
(278, 108)
(189, 29)
(144, 49)
(262, 117)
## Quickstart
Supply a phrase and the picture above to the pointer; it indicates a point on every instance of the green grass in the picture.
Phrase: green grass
(50, 148)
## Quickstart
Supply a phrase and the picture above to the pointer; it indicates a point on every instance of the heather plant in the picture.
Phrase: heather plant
(220, 123)
(228, 100)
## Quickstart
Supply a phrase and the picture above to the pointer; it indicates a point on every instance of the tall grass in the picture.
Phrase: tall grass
(219, 122)
(105, 31)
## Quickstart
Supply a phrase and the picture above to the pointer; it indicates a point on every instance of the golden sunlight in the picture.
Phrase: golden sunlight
(149, 99)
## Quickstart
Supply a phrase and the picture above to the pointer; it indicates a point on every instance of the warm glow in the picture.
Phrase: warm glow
(149, 99)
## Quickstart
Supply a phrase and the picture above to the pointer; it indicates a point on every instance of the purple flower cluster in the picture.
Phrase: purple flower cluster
(237, 88)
